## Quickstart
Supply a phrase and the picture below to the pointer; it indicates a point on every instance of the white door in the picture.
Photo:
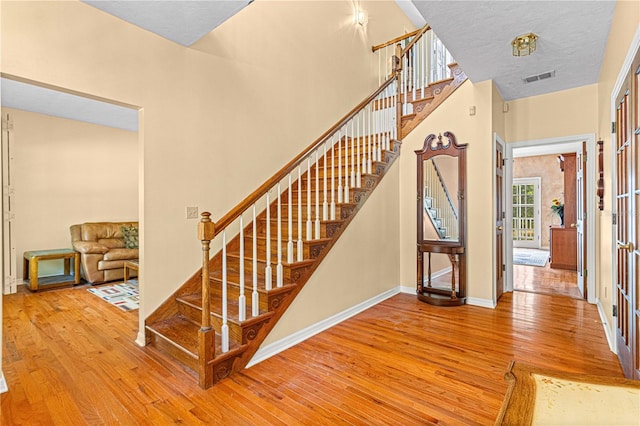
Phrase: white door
(526, 212)
(8, 243)
(581, 218)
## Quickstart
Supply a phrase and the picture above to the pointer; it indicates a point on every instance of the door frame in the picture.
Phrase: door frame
(558, 145)
(506, 251)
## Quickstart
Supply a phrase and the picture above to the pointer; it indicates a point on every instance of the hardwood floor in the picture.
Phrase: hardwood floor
(545, 280)
(70, 359)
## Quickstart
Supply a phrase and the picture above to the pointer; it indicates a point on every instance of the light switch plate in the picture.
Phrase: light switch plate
(192, 212)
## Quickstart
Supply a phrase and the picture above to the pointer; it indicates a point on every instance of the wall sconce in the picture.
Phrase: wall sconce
(359, 16)
(524, 45)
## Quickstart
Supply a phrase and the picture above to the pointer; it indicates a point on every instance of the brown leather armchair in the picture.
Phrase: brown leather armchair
(102, 250)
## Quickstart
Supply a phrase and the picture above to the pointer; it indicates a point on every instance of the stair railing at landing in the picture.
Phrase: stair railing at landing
(311, 187)
(425, 60)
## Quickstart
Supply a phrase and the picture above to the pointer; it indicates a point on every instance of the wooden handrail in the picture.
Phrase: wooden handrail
(228, 218)
(397, 39)
(419, 34)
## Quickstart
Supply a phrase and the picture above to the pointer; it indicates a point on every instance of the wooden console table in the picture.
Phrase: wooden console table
(30, 268)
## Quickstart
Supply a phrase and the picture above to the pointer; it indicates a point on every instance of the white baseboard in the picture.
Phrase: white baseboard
(607, 330)
(299, 336)
(484, 303)
(141, 340)
(407, 290)
(3, 384)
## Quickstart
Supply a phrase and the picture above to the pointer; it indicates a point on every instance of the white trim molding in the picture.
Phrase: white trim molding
(274, 348)
(3, 384)
(607, 330)
(483, 303)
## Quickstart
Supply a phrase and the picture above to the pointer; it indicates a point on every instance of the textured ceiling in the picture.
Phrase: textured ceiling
(571, 40)
(184, 21)
(32, 98)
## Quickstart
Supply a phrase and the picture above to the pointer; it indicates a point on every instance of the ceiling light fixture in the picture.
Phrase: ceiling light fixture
(524, 45)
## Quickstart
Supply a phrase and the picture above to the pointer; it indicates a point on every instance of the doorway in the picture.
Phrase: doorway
(66, 159)
(545, 279)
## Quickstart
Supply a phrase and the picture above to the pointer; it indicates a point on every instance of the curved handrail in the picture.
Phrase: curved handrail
(234, 213)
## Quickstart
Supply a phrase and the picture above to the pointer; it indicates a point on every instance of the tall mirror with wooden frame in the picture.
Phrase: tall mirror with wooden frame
(441, 223)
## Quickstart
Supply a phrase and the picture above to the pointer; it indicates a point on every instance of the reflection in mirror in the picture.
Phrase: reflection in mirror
(440, 182)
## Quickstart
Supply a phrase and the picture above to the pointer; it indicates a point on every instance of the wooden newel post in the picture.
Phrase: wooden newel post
(206, 232)
(206, 349)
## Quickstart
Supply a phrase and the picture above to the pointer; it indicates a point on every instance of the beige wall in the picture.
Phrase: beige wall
(68, 172)
(626, 21)
(476, 131)
(565, 113)
(547, 168)
(216, 120)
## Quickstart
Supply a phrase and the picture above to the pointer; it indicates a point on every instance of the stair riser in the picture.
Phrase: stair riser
(164, 346)
(327, 229)
(366, 181)
(310, 249)
(342, 211)
(195, 314)
(291, 273)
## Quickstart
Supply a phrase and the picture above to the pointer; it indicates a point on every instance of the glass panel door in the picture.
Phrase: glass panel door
(526, 212)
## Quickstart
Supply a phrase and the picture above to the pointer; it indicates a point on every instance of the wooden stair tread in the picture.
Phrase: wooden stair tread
(178, 331)
(195, 300)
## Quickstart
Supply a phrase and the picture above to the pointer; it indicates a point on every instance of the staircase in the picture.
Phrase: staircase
(268, 246)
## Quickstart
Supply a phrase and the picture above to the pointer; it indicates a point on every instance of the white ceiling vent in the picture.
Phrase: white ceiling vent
(537, 77)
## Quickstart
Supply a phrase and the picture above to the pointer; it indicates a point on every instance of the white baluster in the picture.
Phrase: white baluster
(414, 58)
(325, 203)
(289, 225)
(369, 138)
(317, 228)
(377, 126)
(346, 166)
(379, 68)
(309, 183)
(268, 274)
(423, 61)
(340, 190)
(279, 267)
(364, 142)
(352, 150)
(255, 309)
(300, 244)
(225, 327)
(242, 302)
(358, 176)
(333, 179)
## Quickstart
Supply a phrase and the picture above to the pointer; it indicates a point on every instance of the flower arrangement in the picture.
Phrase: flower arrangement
(558, 208)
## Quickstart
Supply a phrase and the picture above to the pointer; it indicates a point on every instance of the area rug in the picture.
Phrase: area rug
(530, 257)
(122, 295)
